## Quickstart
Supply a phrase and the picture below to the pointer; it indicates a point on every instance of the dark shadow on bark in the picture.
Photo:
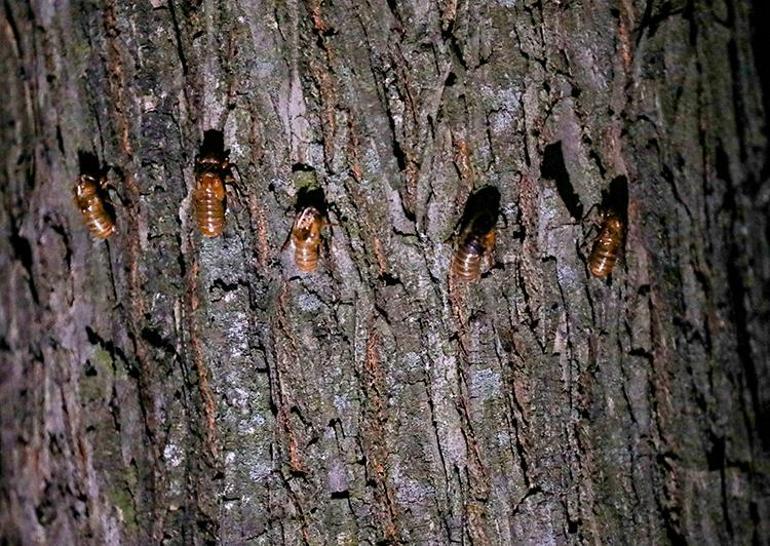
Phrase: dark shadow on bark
(483, 209)
(553, 168)
(312, 196)
(89, 165)
(615, 198)
(213, 144)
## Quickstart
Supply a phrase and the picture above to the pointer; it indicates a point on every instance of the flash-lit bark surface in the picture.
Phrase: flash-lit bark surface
(161, 387)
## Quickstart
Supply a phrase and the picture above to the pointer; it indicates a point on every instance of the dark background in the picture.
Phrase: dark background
(162, 388)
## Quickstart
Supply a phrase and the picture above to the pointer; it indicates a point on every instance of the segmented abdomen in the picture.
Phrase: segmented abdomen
(466, 262)
(306, 255)
(602, 264)
(210, 213)
(98, 219)
(604, 254)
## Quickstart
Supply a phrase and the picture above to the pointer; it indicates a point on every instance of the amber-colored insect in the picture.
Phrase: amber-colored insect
(476, 248)
(605, 251)
(90, 199)
(306, 238)
(212, 172)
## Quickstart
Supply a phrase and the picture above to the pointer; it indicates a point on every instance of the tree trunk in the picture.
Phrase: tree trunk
(161, 387)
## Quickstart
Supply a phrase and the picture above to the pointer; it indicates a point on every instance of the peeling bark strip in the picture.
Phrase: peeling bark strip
(161, 387)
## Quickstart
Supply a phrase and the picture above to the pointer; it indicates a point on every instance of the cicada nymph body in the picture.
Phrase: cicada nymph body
(604, 253)
(305, 238)
(91, 200)
(476, 248)
(212, 170)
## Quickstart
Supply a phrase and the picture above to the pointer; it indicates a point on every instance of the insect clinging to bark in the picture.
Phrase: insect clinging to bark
(212, 172)
(306, 238)
(607, 246)
(476, 248)
(90, 198)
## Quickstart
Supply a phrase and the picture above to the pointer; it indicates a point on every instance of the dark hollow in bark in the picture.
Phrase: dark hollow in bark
(160, 387)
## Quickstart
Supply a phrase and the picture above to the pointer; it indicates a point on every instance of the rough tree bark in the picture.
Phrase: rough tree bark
(162, 388)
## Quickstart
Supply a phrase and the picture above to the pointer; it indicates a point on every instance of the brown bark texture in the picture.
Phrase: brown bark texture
(164, 388)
